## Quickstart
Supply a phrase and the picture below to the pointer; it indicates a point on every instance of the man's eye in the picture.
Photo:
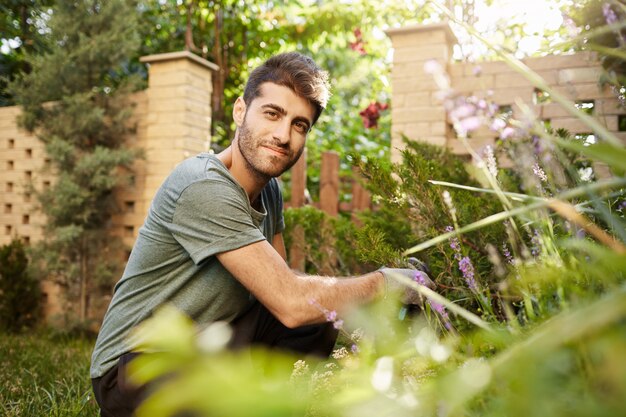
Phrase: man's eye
(271, 114)
(302, 127)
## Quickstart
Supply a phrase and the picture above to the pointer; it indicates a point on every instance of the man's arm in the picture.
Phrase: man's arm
(295, 299)
(279, 244)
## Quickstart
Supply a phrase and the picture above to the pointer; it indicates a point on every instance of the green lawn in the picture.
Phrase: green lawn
(45, 375)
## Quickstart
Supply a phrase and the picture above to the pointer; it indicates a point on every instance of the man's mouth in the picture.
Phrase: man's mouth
(276, 150)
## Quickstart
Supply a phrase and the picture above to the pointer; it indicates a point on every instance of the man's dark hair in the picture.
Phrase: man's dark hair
(295, 71)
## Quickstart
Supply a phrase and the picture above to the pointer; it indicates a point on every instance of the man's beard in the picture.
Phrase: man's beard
(262, 167)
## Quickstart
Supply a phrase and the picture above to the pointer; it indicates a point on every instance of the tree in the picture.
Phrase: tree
(74, 99)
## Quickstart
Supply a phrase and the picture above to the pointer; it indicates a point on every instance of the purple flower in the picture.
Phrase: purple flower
(331, 315)
(477, 70)
(507, 254)
(466, 267)
(540, 173)
(354, 348)
(535, 241)
(454, 241)
(420, 278)
(441, 310)
(609, 14)
(338, 324)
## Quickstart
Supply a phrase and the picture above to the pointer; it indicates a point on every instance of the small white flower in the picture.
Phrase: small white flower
(383, 374)
(492, 164)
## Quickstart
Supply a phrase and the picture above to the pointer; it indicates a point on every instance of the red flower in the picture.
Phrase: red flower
(358, 45)
(371, 114)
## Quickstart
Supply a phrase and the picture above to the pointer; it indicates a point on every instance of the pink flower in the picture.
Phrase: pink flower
(463, 111)
(331, 315)
(507, 133)
(470, 124)
(477, 70)
(498, 124)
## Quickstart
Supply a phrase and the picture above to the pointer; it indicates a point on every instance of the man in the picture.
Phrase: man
(212, 242)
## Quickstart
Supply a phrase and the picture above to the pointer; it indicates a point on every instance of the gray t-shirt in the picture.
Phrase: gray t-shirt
(198, 212)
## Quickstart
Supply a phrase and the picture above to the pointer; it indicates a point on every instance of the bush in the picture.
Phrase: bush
(20, 294)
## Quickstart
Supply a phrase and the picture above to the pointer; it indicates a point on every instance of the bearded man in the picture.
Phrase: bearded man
(212, 243)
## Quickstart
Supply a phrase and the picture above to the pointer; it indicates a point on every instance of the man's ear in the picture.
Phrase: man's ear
(239, 111)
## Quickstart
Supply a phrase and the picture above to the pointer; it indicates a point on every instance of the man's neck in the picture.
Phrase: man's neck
(233, 160)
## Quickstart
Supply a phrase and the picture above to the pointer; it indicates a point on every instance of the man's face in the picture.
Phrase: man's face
(273, 132)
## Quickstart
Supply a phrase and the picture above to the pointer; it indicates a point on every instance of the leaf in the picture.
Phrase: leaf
(612, 155)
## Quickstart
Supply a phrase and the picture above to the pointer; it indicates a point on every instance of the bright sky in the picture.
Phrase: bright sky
(536, 16)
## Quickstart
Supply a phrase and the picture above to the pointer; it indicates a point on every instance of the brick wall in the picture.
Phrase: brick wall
(418, 113)
(173, 119)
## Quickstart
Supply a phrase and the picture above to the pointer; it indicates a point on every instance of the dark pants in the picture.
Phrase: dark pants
(256, 327)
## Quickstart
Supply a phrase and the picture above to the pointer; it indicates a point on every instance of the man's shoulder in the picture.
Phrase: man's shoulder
(201, 167)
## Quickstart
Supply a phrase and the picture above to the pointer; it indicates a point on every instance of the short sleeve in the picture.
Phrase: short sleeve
(211, 217)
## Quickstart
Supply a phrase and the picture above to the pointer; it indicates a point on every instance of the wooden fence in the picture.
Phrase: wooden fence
(330, 185)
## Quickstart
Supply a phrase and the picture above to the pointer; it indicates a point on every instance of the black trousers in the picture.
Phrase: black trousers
(117, 398)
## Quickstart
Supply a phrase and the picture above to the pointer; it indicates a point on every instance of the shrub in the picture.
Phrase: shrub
(20, 295)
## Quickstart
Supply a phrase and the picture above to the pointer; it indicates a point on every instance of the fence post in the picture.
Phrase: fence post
(298, 186)
(361, 198)
(329, 184)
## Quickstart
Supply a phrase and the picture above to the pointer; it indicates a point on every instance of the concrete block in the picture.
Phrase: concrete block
(411, 129)
(609, 106)
(438, 129)
(551, 110)
(579, 75)
(422, 53)
(418, 38)
(517, 80)
(413, 85)
(581, 59)
(417, 99)
(408, 69)
(503, 96)
(470, 84)
(573, 125)
(419, 114)
(488, 68)
(477, 144)
(584, 91)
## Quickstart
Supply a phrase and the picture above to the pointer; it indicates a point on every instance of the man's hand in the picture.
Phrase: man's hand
(416, 272)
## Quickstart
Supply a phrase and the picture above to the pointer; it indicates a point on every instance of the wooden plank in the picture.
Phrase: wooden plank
(329, 183)
(298, 181)
(297, 257)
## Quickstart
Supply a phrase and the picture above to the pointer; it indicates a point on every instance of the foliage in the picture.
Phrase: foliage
(45, 375)
(74, 99)
(20, 295)
(602, 30)
(22, 22)
(411, 209)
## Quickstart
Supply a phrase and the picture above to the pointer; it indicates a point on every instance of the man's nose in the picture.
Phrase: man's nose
(282, 132)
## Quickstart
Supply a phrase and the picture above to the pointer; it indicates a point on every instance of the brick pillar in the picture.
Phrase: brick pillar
(416, 112)
(179, 114)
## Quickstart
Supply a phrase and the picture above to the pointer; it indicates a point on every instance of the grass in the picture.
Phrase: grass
(44, 374)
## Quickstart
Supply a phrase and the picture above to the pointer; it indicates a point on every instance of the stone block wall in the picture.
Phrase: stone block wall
(417, 112)
(173, 121)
